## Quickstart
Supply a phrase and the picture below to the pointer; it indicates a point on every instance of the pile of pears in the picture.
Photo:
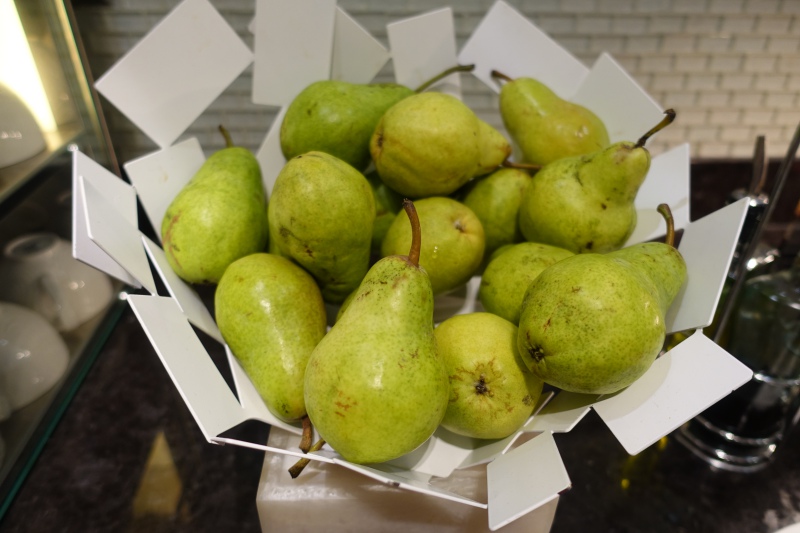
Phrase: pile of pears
(391, 197)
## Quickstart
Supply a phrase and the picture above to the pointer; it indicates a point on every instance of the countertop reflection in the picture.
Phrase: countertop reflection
(127, 456)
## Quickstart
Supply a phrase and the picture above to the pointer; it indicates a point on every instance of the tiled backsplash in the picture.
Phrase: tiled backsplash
(730, 68)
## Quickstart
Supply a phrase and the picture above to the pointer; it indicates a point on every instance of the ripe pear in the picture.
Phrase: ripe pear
(453, 241)
(594, 323)
(271, 314)
(219, 216)
(495, 200)
(338, 117)
(492, 392)
(375, 386)
(586, 203)
(430, 144)
(321, 215)
(545, 126)
(388, 204)
(508, 275)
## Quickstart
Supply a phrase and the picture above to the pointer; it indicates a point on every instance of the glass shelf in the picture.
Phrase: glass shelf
(35, 196)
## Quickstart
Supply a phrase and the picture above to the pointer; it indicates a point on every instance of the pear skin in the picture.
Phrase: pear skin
(492, 392)
(338, 118)
(585, 203)
(271, 314)
(375, 386)
(495, 199)
(508, 274)
(219, 216)
(321, 215)
(545, 126)
(430, 144)
(453, 241)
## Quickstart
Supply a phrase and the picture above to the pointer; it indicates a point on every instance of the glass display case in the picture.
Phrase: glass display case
(55, 312)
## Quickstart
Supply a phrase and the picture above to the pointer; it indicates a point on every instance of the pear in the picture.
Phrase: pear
(338, 117)
(586, 203)
(594, 323)
(388, 204)
(219, 216)
(271, 314)
(495, 200)
(321, 215)
(510, 272)
(453, 241)
(430, 144)
(492, 392)
(545, 126)
(375, 386)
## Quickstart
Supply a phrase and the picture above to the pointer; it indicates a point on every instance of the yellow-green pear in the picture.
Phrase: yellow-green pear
(431, 143)
(594, 323)
(453, 241)
(271, 314)
(321, 215)
(586, 203)
(492, 392)
(375, 386)
(509, 273)
(219, 216)
(495, 199)
(545, 126)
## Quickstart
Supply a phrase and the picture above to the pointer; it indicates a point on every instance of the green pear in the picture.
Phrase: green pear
(453, 241)
(508, 274)
(375, 386)
(495, 200)
(271, 314)
(387, 206)
(492, 392)
(586, 203)
(321, 215)
(338, 117)
(594, 323)
(219, 216)
(545, 126)
(430, 144)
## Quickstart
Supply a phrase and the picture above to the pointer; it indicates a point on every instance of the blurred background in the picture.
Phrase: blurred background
(730, 68)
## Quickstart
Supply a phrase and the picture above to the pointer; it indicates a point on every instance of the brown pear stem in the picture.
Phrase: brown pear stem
(666, 121)
(300, 465)
(500, 76)
(227, 135)
(666, 212)
(308, 435)
(444, 74)
(416, 232)
(520, 166)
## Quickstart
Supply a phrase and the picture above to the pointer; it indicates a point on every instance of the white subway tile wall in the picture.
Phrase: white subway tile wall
(730, 68)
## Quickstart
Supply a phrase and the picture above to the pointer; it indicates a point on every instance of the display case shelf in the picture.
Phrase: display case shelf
(35, 196)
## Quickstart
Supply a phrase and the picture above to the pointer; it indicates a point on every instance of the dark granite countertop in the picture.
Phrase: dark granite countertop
(93, 473)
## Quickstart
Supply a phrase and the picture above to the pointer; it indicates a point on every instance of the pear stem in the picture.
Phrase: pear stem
(308, 435)
(521, 166)
(666, 121)
(444, 74)
(416, 232)
(500, 76)
(300, 465)
(666, 212)
(225, 133)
